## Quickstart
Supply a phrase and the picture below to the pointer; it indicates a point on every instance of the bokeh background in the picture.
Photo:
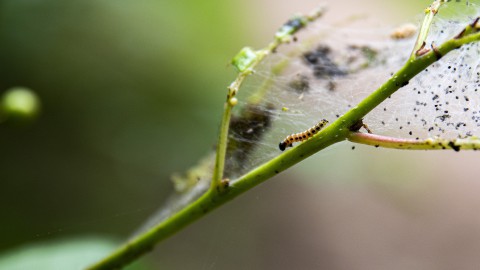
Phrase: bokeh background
(132, 91)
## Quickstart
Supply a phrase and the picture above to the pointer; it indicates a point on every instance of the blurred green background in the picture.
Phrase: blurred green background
(131, 92)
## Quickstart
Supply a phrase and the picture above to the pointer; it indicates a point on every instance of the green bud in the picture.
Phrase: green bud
(244, 59)
(19, 103)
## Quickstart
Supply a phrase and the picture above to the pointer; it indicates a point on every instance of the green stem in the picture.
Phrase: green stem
(206, 203)
(146, 241)
(430, 12)
(221, 147)
(283, 35)
(336, 132)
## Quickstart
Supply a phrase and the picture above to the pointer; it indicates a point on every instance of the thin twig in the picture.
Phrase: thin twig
(471, 143)
(430, 12)
(249, 61)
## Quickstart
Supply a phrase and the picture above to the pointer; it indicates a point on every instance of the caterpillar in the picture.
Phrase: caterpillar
(299, 137)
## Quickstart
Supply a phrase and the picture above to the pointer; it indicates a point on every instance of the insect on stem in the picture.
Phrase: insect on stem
(302, 136)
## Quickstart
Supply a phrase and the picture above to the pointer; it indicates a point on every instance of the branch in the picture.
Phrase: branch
(430, 12)
(245, 62)
(471, 143)
(339, 130)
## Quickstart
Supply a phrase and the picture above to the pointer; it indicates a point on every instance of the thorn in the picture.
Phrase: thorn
(475, 22)
(366, 128)
(437, 53)
(422, 50)
(460, 35)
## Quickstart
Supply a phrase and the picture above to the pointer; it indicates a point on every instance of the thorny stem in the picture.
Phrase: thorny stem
(336, 132)
(412, 144)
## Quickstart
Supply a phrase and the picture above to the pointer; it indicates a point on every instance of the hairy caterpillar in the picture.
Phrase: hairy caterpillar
(299, 137)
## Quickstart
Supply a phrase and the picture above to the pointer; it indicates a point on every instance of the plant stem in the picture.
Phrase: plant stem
(412, 144)
(206, 203)
(221, 147)
(430, 12)
(336, 132)
(283, 35)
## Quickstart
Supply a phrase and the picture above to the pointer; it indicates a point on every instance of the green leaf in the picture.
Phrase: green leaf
(244, 59)
(76, 253)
